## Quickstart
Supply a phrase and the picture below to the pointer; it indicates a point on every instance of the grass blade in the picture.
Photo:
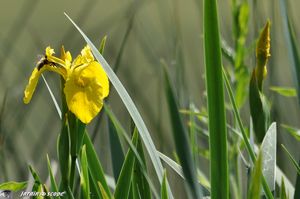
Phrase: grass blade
(254, 189)
(216, 107)
(124, 181)
(142, 129)
(293, 50)
(84, 175)
(121, 132)
(95, 167)
(116, 149)
(164, 192)
(297, 186)
(176, 167)
(288, 185)
(103, 192)
(63, 149)
(181, 142)
(140, 185)
(293, 131)
(283, 194)
(52, 97)
(52, 179)
(292, 159)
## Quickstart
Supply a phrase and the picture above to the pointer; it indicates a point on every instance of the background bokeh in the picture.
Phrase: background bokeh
(141, 36)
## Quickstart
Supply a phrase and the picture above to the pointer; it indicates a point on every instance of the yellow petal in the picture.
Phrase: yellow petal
(66, 56)
(49, 51)
(49, 56)
(34, 78)
(30, 88)
(102, 79)
(87, 54)
(85, 89)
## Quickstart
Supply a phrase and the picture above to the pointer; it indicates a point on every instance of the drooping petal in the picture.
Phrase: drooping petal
(85, 89)
(34, 78)
(30, 88)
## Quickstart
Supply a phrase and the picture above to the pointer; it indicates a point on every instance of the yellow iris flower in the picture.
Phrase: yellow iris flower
(86, 83)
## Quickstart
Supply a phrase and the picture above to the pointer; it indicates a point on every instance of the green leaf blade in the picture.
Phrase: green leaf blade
(164, 192)
(181, 142)
(52, 179)
(216, 106)
(134, 113)
(13, 186)
(124, 181)
(284, 91)
(255, 183)
(94, 165)
(84, 175)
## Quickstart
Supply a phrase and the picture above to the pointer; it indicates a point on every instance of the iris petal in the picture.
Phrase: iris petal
(34, 78)
(84, 90)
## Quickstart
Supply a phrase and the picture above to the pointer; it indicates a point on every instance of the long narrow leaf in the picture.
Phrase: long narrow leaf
(52, 179)
(116, 150)
(292, 47)
(95, 167)
(84, 175)
(140, 185)
(254, 189)
(216, 107)
(181, 142)
(288, 185)
(292, 159)
(164, 193)
(63, 149)
(124, 181)
(121, 132)
(142, 129)
(176, 167)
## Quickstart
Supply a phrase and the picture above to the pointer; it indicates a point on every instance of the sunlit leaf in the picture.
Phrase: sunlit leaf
(284, 91)
(13, 186)
(293, 131)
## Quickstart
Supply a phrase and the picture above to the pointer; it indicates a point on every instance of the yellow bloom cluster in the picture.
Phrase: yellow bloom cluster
(86, 83)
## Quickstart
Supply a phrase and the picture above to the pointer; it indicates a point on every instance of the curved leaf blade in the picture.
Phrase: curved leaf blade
(134, 113)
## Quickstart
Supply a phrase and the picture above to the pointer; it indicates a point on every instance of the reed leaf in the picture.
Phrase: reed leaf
(215, 103)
